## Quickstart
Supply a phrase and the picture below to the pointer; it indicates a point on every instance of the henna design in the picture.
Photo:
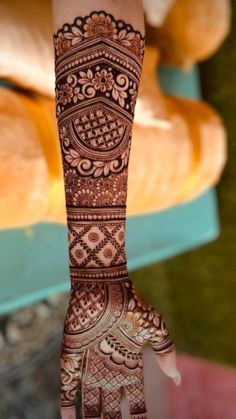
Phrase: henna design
(98, 63)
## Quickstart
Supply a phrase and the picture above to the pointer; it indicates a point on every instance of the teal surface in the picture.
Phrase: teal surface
(34, 262)
(180, 83)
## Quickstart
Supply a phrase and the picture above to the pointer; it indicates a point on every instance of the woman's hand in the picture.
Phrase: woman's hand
(106, 328)
(98, 64)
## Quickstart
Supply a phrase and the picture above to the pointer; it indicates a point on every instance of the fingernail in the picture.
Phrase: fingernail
(177, 379)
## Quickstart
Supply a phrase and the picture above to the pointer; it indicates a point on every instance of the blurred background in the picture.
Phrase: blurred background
(181, 234)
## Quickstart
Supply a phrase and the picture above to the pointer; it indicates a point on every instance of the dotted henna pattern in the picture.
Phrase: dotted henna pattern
(98, 64)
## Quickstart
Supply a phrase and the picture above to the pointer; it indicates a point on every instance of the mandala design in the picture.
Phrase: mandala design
(105, 315)
(98, 63)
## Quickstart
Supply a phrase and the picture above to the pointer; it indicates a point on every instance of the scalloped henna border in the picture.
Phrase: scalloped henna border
(82, 20)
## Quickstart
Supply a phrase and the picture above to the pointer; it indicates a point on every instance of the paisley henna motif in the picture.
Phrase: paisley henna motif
(98, 63)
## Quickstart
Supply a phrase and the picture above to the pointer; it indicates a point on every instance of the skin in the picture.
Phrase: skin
(131, 11)
(98, 64)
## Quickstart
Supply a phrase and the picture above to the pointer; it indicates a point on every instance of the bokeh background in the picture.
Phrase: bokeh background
(195, 291)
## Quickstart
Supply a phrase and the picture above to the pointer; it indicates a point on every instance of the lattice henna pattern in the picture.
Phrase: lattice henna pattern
(98, 63)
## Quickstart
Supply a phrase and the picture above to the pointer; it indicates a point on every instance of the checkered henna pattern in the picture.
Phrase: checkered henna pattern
(98, 64)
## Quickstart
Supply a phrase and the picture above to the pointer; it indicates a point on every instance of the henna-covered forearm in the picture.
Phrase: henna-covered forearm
(98, 68)
(98, 64)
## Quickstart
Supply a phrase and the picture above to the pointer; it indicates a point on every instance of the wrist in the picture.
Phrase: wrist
(97, 244)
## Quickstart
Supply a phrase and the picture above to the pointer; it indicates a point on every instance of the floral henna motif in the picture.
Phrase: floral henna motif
(95, 25)
(98, 63)
(85, 86)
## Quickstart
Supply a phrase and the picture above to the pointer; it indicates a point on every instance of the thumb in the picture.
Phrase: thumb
(167, 363)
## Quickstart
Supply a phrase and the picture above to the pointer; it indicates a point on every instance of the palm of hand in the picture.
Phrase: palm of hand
(105, 330)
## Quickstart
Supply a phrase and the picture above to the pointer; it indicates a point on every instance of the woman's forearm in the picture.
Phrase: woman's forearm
(97, 80)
